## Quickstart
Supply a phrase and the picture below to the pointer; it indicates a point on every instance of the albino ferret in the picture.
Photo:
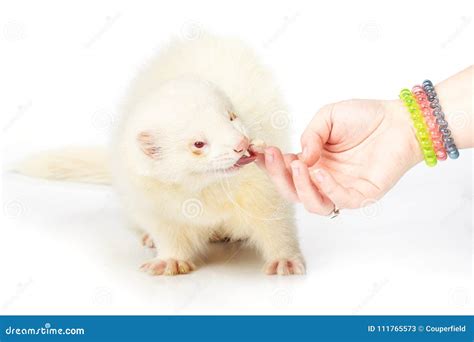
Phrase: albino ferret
(181, 157)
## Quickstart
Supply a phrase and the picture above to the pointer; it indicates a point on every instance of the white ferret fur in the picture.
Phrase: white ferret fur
(213, 92)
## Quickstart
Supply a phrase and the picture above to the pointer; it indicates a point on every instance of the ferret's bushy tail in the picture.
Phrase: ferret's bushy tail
(86, 165)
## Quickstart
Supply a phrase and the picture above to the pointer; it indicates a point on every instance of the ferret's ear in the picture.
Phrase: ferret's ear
(147, 142)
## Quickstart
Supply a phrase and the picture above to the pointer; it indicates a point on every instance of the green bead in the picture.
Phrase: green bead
(430, 153)
(421, 132)
(425, 143)
(405, 92)
(424, 134)
(418, 125)
(431, 159)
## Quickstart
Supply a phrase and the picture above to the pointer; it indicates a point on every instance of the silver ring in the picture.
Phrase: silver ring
(335, 212)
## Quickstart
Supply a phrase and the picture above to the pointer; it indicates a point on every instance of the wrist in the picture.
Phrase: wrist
(401, 122)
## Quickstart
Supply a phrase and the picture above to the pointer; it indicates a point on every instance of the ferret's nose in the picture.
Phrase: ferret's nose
(242, 146)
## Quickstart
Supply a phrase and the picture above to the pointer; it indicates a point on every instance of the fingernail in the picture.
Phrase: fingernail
(296, 169)
(318, 175)
(269, 157)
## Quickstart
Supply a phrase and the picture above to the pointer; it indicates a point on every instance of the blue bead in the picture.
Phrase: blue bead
(453, 154)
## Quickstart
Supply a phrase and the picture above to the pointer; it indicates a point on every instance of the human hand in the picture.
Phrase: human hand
(352, 152)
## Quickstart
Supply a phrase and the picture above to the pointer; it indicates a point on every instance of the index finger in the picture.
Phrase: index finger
(316, 135)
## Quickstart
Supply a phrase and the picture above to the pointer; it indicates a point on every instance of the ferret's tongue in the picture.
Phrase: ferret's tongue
(244, 160)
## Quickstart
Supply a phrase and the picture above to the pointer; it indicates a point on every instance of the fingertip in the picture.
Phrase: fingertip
(269, 154)
(308, 154)
(308, 194)
(318, 175)
(297, 165)
(271, 149)
(305, 153)
(260, 160)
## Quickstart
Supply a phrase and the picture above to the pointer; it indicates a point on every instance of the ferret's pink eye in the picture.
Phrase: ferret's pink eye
(199, 144)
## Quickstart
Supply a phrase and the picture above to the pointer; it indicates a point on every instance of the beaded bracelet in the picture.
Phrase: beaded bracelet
(422, 133)
(431, 123)
(447, 139)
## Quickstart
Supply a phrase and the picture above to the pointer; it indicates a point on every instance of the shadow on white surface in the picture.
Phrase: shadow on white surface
(66, 248)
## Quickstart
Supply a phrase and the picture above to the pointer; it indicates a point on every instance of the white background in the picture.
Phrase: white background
(65, 248)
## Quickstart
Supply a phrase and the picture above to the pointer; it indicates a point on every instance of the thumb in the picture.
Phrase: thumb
(316, 135)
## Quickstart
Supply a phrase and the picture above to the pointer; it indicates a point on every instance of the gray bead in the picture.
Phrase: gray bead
(435, 105)
(450, 147)
(441, 122)
(445, 131)
(443, 126)
(427, 82)
(448, 140)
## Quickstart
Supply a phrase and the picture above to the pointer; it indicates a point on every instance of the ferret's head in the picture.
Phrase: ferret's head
(188, 131)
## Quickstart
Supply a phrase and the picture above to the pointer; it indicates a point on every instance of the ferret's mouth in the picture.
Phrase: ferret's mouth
(246, 159)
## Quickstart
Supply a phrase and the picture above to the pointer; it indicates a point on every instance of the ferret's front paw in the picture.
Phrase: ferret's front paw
(167, 267)
(147, 241)
(285, 267)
